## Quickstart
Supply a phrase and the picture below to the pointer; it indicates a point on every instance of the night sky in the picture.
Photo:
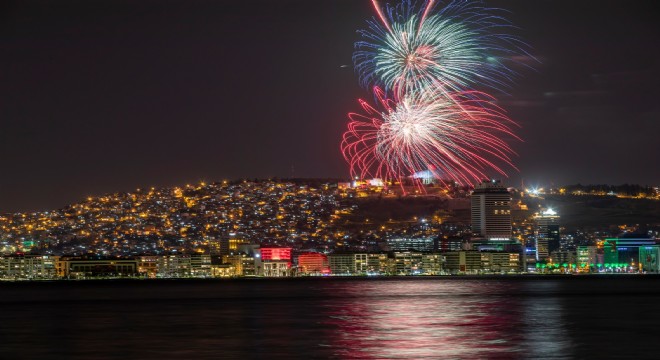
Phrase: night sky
(104, 96)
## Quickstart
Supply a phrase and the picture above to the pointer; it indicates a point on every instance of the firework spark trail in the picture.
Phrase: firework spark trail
(379, 10)
(427, 131)
(460, 46)
(429, 59)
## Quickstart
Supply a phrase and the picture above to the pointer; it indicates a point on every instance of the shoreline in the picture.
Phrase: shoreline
(523, 277)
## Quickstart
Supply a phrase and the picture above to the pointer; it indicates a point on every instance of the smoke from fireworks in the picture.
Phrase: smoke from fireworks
(453, 137)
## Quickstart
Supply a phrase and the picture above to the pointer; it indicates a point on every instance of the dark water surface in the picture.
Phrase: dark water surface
(405, 318)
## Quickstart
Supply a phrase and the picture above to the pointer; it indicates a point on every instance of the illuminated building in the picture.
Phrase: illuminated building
(624, 251)
(271, 254)
(451, 243)
(252, 264)
(148, 266)
(417, 263)
(174, 266)
(587, 257)
(378, 264)
(360, 264)
(276, 261)
(428, 243)
(500, 261)
(426, 177)
(342, 264)
(242, 264)
(200, 265)
(78, 267)
(217, 246)
(223, 270)
(564, 257)
(481, 261)
(313, 263)
(27, 267)
(463, 261)
(276, 268)
(649, 259)
(235, 243)
(491, 211)
(226, 244)
(546, 232)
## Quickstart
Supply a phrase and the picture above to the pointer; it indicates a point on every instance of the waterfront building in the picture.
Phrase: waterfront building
(463, 262)
(81, 267)
(148, 266)
(360, 264)
(223, 270)
(200, 265)
(408, 262)
(587, 258)
(276, 268)
(272, 260)
(473, 262)
(624, 251)
(564, 257)
(491, 211)
(174, 266)
(270, 253)
(649, 259)
(432, 264)
(500, 262)
(378, 264)
(342, 264)
(252, 264)
(28, 267)
(417, 263)
(546, 232)
(313, 263)
(243, 264)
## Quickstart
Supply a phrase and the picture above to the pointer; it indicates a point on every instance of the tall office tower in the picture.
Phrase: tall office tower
(491, 211)
(217, 246)
(226, 244)
(546, 231)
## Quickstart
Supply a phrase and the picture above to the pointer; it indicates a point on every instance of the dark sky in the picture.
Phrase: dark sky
(102, 96)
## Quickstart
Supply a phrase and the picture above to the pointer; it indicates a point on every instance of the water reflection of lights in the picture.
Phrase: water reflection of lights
(438, 319)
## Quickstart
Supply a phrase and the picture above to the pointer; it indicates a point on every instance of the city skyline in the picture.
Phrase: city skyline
(117, 96)
(371, 179)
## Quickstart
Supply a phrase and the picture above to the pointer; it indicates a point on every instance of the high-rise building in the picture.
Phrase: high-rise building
(491, 211)
(546, 232)
(226, 244)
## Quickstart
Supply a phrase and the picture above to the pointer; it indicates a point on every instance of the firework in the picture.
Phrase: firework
(454, 48)
(453, 136)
